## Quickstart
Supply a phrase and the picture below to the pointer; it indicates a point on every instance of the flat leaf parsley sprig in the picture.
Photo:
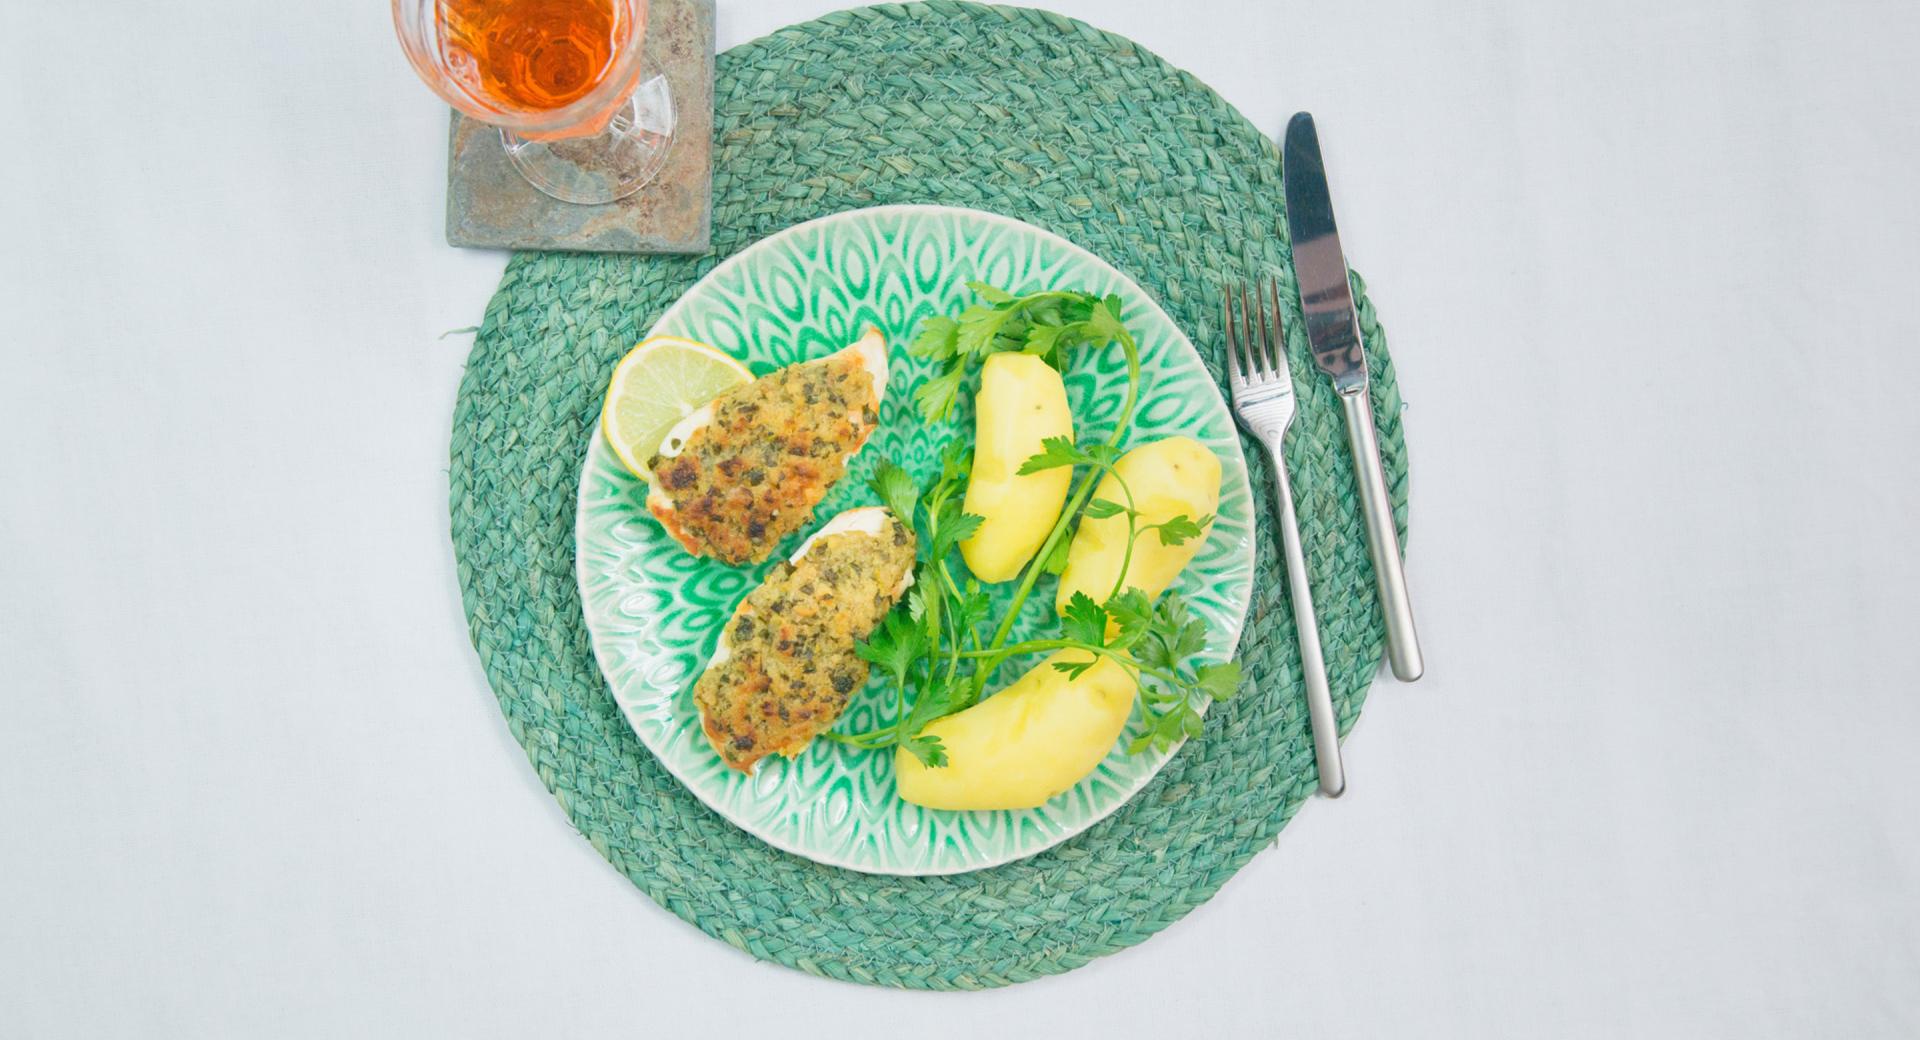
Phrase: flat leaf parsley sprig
(1156, 641)
(919, 643)
(930, 648)
(1045, 324)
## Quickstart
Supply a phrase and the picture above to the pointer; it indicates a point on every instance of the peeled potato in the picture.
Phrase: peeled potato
(1169, 478)
(1021, 402)
(1025, 744)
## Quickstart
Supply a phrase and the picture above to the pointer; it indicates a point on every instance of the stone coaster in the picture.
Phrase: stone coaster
(489, 205)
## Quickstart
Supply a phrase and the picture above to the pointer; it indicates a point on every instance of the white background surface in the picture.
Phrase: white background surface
(1649, 270)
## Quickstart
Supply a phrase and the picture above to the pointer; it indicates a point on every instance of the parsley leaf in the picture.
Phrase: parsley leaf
(928, 750)
(1100, 509)
(1220, 681)
(1179, 529)
(1167, 729)
(1083, 621)
(936, 338)
(1103, 322)
(956, 461)
(1054, 453)
(972, 607)
(895, 646)
(991, 293)
(1042, 340)
(1075, 669)
(962, 527)
(936, 396)
(926, 597)
(979, 329)
(1188, 637)
(896, 489)
(1132, 614)
(1056, 561)
(1163, 729)
(952, 528)
(1173, 636)
(935, 702)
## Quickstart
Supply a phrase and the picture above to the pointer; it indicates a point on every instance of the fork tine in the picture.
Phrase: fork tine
(1248, 370)
(1266, 333)
(1255, 370)
(1226, 326)
(1279, 324)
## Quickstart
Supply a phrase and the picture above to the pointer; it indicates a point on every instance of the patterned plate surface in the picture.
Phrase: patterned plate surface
(655, 612)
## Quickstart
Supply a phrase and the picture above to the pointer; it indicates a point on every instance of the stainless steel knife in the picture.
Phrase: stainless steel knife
(1333, 333)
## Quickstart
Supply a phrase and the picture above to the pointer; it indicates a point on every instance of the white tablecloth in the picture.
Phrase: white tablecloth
(1649, 270)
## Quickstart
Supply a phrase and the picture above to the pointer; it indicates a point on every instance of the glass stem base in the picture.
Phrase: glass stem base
(609, 165)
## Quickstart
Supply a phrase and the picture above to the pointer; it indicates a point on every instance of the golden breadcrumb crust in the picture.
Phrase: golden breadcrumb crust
(753, 475)
(792, 666)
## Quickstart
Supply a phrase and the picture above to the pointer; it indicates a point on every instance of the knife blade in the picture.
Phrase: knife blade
(1333, 336)
(1319, 264)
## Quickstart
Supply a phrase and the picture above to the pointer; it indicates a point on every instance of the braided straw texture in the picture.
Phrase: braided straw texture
(1016, 111)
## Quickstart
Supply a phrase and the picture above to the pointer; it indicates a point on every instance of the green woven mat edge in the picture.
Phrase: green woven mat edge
(809, 122)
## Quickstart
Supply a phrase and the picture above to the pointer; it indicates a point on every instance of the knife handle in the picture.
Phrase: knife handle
(1403, 644)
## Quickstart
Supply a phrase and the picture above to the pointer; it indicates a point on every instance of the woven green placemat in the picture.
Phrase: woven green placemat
(1016, 111)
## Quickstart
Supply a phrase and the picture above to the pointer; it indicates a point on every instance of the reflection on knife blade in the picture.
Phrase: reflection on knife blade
(1326, 301)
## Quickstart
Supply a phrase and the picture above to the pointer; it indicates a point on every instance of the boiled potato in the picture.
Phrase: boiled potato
(1025, 744)
(1169, 478)
(1021, 402)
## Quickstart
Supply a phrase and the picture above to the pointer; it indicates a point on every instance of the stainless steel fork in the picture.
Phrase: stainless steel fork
(1263, 402)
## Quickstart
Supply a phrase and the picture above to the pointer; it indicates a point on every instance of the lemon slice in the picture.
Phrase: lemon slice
(656, 385)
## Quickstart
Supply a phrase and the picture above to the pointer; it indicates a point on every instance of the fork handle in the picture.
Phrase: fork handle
(1403, 643)
(1326, 728)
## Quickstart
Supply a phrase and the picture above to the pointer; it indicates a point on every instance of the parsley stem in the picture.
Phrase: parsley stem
(865, 740)
(1133, 533)
(953, 589)
(900, 706)
(1025, 303)
(1035, 646)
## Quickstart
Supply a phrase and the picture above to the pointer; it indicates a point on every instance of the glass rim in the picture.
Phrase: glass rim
(414, 22)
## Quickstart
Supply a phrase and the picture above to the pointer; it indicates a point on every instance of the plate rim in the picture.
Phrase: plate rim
(596, 443)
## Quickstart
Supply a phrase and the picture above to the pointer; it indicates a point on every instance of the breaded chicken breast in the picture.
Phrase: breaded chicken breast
(785, 666)
(747, 469)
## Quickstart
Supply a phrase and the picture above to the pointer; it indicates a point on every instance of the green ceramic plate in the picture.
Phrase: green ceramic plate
(655, 612)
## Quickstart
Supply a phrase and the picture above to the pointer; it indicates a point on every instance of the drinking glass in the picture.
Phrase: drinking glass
(561, 79)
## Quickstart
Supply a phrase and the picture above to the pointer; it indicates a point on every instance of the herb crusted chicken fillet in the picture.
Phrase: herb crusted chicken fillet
(747, 469)
(785, 666)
